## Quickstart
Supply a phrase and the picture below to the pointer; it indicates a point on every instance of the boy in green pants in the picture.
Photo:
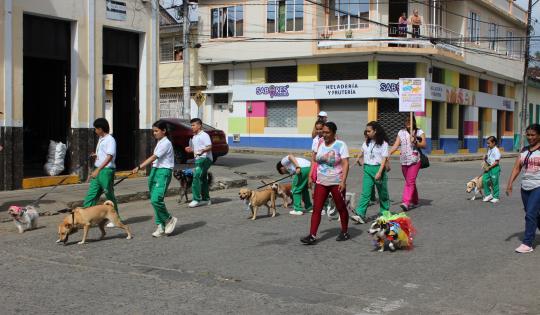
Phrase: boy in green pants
(201, 147)
(492, 171)
(102, 178)
(300, 191)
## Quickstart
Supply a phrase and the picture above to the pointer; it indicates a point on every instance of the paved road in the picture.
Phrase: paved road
(218, 262)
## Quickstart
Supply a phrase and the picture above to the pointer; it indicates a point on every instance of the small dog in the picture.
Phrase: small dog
(84, 218)
(398, 231)
(255, 199)
(476, 186)
(185, 177)
(331, 210)
(25, 218)
(283, 191)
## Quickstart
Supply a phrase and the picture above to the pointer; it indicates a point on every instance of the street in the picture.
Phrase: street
(219, 262)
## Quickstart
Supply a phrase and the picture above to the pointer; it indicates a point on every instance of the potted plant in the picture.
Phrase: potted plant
(348, 34)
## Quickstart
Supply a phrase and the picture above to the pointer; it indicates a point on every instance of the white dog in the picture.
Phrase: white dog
(331, 209)
(25, 218)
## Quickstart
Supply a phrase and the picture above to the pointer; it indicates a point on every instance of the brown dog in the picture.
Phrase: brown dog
(475, 186)
(255, 199)
(84, 218)
(283, 191)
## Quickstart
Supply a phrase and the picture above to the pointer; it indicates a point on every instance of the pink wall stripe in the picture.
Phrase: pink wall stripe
(469, 128)
(258, 109)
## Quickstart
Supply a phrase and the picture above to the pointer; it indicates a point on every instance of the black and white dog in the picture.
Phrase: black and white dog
(185, 177)
(25, 218)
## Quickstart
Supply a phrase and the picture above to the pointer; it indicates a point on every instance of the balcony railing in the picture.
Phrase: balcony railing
(427, 36)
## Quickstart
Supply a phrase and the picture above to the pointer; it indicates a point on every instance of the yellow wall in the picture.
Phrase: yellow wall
(372, 109)
(171, 74)
(308, 73)
(258, 75)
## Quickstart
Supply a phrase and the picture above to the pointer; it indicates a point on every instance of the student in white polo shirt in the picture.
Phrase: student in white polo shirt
(201, 147)
(300, 190)
(160, 177)
(102, 177)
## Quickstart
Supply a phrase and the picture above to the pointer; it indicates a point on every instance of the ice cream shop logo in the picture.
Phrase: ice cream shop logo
(273, 90)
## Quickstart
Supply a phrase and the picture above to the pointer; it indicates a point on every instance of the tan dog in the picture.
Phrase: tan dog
(476, 186)
(255, 199)
(283, 191)
(84, 218)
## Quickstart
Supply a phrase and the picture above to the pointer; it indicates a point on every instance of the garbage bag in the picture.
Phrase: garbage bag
(55, 158)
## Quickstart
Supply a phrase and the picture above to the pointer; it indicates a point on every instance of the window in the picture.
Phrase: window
(450, 116)
(474, 27)
(221, 77)
(281, 114)
(170, 49)
(227, 22)
(437, 75)
(347, 14)
(396, 70)
(343, 71)
(509, 43)
(501, 90)
(284, 16)
(463, 81)
(483, 85)
(493, 34)
(221, 98)
(509, 121)
(281, 74)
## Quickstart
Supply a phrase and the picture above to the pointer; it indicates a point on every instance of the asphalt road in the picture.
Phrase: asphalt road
(218, 262)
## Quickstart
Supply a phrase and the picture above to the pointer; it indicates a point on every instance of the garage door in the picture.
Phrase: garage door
(350, 116)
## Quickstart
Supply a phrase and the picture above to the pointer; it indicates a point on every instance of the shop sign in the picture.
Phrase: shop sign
(116, 10)
(412, 95)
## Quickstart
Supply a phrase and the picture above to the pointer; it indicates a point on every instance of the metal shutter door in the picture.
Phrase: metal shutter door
(350, 116)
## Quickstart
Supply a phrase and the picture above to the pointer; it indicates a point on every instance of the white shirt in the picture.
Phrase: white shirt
(530, 169)
(198, 143)
(290, 166)
(165, 154)
(315, 144)
(328, 158)
(106, 146)
(493, 155)
(374, 154)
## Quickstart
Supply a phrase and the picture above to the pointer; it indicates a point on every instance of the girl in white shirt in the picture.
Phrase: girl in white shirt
(160, 177)
(492, 171)
(375, 154)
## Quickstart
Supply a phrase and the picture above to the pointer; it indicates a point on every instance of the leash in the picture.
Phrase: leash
(45, 194)
(268, 184)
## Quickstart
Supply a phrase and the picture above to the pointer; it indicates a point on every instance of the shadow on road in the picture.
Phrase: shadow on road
(138, 219)
(188, 227)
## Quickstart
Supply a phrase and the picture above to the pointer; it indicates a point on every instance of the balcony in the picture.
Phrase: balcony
(381, 36)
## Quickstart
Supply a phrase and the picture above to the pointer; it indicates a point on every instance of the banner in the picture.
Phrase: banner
(412, 95)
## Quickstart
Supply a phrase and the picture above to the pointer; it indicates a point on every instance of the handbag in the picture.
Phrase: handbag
(424, 161)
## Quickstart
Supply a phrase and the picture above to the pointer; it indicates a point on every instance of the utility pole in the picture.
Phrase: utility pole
(524, 104)
(185, 55)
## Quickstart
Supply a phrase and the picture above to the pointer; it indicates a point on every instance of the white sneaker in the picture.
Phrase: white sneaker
(323, 212)
(494, 200)
(169, 228)
(293, 212)
(205, 203)
(358, 219)
(159, 231)
(110, 225)
(487, 198)
(194, 204)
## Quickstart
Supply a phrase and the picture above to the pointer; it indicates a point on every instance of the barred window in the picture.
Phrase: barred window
(474, 27)
(450, 116)
(396, 70)
(437, 75)
(493, 34)
(221, 98)
(227, 22)
(284, 16)
(281, 114)
(281, 74)
(170, 49)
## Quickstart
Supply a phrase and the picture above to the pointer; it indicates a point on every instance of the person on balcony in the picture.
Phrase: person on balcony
(402, 25)
(416, 21)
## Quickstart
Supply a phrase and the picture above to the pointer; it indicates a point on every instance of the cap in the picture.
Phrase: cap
(323, 114)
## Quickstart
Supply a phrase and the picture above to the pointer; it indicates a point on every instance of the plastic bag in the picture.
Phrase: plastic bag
(55, 158)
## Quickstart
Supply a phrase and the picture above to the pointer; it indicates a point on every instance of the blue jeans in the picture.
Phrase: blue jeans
(531, 202)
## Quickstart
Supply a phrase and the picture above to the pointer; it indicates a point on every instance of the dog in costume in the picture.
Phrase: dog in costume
(395, 229)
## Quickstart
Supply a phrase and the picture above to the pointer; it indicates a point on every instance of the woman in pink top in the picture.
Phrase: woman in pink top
(408, 145)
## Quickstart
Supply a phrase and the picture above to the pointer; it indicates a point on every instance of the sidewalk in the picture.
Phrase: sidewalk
(433, 158)
(70, 196)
